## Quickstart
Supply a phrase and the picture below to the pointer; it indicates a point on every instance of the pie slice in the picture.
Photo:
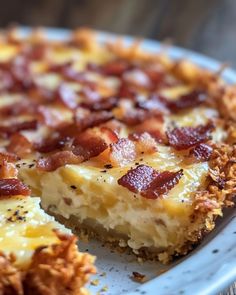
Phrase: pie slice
(37, 254)
(125, 145)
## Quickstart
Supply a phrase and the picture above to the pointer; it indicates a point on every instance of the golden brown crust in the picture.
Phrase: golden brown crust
(10, 277)
(59, 269)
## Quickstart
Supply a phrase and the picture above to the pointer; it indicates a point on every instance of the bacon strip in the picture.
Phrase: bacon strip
(188, 100)
(186, 137)
(13, 187)
(49, 145)
(7, 130)
(151, 184)
(57, 160)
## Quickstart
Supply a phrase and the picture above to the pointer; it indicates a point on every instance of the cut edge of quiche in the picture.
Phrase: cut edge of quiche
(128, 146)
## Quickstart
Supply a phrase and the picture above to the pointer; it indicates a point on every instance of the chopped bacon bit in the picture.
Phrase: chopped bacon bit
(202, 152)
(138, 277)
(67, 96)
(13, 187)
(22, 107)
(19, 145)
(188, 100)
(35, 51)
(6, 130)
(109, 135)
(88, 121)
(49, 145)
(145, 143)
(105, 104)
(122, 152)
(115, 68)
(88, 144)
(185, 137)
(57, 160)
(9, 157)
(150, 183)
(126, 91)
(7, 170)
(154, 126)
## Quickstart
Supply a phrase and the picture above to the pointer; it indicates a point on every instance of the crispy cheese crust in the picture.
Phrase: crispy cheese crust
(60, 158)
(56, 269)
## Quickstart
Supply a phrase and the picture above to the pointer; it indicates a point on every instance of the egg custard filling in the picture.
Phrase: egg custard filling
(127, 146)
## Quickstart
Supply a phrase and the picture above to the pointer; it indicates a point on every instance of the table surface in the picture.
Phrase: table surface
(204, 26)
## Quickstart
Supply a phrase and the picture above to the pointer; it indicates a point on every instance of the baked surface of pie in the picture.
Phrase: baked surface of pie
(126, 145)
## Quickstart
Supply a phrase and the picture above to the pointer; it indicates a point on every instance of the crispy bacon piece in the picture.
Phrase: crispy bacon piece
(201, 152)
(19, 145)
(144, 142)
(185, 137)
(17, 73)
(52, 144)
(115, 68)
(67, 96)
(9, 157)
(13, 187)
(89, 144)
(92, 120)
(126, 91)
(6, 130)
(83, 120)
(105, 104)
(188, 100)
(7, 170)
(24, 106)
(122, 152)
(57, 160)
(151, 184)
(108, 134)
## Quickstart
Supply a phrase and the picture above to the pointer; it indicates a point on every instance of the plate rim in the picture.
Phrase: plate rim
(223, 276)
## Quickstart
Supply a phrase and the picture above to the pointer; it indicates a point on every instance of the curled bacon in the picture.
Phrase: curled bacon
(7, 130)
(150, 183)
(13, 187)
(52, 144)
(185, 137)
(57, 160)
(88, 144)
(19, 145)
(188, 100)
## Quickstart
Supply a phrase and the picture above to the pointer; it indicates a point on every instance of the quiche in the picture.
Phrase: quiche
(130, 147)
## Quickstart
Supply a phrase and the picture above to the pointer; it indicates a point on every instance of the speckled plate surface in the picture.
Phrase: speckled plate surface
(209, 269)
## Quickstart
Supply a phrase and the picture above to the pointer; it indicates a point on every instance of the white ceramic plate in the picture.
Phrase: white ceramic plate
(209, 269)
